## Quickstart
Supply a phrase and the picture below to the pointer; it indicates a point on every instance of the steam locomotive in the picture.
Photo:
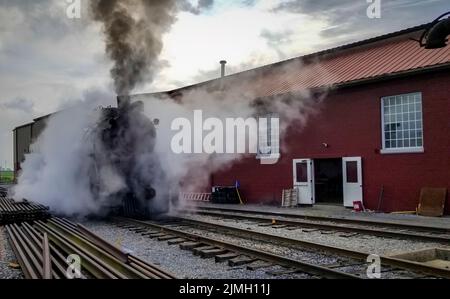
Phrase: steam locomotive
(125, 166)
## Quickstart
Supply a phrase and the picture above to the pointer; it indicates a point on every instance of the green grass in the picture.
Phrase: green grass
(6, 176)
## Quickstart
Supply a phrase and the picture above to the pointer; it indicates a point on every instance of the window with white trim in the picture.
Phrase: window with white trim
(402, 123)
(268, 136)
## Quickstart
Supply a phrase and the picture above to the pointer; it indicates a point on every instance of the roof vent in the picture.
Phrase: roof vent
(222, 68)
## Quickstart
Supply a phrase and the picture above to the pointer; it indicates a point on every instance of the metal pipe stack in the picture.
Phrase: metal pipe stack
(17, 212)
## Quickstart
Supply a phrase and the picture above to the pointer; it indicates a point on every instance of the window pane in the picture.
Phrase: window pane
(352, 171)
(402, 116)
(418, 107)
(302, 172)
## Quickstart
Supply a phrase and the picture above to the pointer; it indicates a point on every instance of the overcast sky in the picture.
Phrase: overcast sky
(48, 61)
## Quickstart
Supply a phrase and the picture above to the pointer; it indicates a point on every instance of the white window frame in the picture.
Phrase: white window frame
(400, 150)
(269, 134)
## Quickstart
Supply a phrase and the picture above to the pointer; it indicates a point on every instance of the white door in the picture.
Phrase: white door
(304, 180)
(353, 184)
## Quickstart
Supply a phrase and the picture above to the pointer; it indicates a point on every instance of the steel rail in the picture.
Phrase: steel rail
(390, 261)
(328, 218)
(262, 255)
(101, 255)
(329, 226)
(56, 258)
(22, 257)
(92, 255)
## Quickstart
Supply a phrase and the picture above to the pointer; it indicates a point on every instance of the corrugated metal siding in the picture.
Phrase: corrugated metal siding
(346, 66)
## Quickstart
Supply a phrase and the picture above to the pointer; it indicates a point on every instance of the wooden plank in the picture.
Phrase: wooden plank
(432, 202)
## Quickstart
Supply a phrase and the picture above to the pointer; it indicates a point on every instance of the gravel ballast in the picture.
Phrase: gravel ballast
(183, 264)
(6, 257)
(362, 243)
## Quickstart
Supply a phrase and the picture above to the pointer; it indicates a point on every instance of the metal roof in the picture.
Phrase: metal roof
(384, 56)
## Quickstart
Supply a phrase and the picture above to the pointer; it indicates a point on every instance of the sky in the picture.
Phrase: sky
(49, 61)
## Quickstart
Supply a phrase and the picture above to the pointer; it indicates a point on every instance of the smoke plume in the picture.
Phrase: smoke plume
(133, 31)
(75, 172)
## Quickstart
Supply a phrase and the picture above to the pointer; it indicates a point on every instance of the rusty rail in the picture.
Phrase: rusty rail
(16, 212)
(43, 247)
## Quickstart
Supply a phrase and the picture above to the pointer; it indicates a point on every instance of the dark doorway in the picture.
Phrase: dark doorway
(328, 181)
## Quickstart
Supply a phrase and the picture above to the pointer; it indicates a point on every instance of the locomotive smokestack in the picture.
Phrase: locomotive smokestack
(123, 101)
(222, 68)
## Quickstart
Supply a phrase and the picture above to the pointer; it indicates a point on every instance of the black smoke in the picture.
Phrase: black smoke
(133, 31)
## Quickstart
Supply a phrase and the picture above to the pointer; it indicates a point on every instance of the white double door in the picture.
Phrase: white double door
(304, 182)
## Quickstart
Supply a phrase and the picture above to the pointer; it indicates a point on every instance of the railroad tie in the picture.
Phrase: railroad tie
(293, 228)
(258, 265)
(167, 238)
(197, 250)
(276, 226)
(156, 235)
(281, 272)
(190, 245)
(265, 224)
(225, 257)
(309, 230)
(148, 232)
(347, 235)
(212, 252)
(241, 260)
(176, 241)
(327, 232)
(139, 230)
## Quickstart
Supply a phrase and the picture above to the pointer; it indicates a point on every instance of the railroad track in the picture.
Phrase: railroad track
(400, 231)
(202, 238)
(43, 247)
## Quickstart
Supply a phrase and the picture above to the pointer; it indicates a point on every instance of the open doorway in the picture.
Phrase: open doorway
(328, 181)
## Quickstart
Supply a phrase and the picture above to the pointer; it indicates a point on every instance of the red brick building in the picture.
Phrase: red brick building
(385, 125)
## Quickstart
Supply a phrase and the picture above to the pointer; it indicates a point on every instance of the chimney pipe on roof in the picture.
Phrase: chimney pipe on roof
(222, 69)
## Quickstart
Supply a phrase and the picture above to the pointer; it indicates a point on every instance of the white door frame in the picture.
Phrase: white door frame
(306, 190)
(353, 191)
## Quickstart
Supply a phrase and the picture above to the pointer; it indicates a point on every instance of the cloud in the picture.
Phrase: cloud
(20, 104)
(348, 19)
(202, 5)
